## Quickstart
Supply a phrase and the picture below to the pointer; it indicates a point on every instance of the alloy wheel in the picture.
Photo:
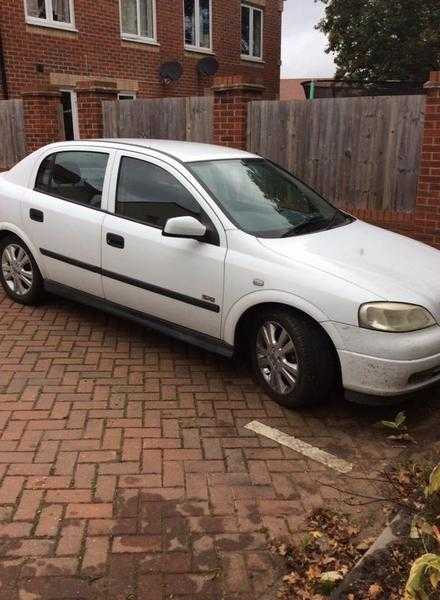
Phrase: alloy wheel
(17, 269)
(276, 357)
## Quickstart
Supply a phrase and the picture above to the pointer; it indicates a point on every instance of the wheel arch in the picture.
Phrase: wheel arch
(237, 325)
(10, 229)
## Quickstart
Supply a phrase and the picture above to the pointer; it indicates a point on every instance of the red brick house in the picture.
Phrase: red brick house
(76, 52)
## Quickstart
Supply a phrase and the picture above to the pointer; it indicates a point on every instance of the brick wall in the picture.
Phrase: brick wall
(97, 50)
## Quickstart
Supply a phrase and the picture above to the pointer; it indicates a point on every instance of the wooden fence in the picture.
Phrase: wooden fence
(12, 138)
(187, 119)
(358, 152)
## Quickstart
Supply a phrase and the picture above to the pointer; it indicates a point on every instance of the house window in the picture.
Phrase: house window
(127, 96)
(51, 13)
(251, 32)
(70, 114)
(138, 20)
(198, 24)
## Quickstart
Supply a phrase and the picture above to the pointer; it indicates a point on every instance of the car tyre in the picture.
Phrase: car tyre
(292, 358)
(19, 273)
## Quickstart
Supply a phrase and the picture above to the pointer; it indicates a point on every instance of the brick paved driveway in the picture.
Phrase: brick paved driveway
(125, 469)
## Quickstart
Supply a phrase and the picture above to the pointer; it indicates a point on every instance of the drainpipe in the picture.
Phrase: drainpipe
(3, 75)
(312, 90)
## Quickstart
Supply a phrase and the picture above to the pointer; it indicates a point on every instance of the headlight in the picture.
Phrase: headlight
(394, 317)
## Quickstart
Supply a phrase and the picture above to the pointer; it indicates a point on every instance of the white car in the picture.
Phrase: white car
(225, 250)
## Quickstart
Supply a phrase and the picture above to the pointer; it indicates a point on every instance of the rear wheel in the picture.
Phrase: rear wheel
(19, 273)
(292, 358)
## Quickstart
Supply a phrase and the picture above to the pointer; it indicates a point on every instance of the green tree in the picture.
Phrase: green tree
(379, 40)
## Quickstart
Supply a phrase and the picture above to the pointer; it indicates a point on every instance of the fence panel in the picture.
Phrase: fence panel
(358, 152)
(187, 119)
(12, 137)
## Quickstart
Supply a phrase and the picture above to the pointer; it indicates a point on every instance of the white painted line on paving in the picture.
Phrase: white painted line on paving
(329, 460)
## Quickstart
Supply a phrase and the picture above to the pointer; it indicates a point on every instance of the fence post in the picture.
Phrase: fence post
(90, 96)
(232, 95)
(427, 213)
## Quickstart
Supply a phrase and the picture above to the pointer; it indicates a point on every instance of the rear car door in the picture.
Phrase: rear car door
(179, 281)
(64, 212)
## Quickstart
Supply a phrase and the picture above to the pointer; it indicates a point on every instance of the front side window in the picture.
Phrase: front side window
(198, 24)
(56, 13)
(264, 200)
(76, 176)
(138, 19)
(251, 32)
(148, 194)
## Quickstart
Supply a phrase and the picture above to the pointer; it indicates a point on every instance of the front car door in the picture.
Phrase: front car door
(64, 212)
(179, 281)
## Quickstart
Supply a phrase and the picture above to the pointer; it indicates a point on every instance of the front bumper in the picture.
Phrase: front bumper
(387, 364)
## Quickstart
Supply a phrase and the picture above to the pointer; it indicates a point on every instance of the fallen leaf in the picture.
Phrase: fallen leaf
(374, 591)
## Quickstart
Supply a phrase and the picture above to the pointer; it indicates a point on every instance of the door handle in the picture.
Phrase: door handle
(36, 215)
(117, 241)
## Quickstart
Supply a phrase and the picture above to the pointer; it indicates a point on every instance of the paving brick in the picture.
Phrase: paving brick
(70, 538)
(95, 556)
(137, 543)
(173, 474)
(29, 504)
(152, 461)
(68, 496)
(49, 521)
(46, 567)
(10, 489)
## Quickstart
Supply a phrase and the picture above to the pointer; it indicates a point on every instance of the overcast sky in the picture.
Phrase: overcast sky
(303, 52)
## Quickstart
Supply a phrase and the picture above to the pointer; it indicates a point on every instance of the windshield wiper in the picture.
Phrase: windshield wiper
(313, 223)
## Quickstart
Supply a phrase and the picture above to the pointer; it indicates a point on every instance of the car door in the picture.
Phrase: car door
(176, 280)
(63, 215)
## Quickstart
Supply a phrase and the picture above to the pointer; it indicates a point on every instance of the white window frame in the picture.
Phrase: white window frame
(75, 117)
(196, 47)
(49, 20)
(133, 37)
(131, 94)
(253, 9)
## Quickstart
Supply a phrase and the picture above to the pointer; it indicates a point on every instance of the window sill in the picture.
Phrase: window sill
(252, 59)
(139, 40)
(52, 24)
(199, 50)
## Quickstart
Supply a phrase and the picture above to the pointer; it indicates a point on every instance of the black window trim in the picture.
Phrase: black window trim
(213, 236)
(62, 151)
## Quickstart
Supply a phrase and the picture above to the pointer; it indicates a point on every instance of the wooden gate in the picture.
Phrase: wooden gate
(185, 119)
(358, 152)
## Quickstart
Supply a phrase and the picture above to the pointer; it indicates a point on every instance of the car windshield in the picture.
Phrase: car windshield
(264, 200)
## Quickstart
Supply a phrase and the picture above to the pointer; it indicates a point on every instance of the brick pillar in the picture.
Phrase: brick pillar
(427, 213)
(232, 95)
(42, 118)
(90, 96)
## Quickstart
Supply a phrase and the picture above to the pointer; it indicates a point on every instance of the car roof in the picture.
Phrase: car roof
(183, 151)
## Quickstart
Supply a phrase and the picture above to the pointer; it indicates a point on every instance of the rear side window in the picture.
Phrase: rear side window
(75, 176)
(148, 194)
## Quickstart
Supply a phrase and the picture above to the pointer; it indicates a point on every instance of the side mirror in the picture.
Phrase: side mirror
(184, 227)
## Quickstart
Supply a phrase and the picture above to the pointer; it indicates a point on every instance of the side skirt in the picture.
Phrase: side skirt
(206, 342)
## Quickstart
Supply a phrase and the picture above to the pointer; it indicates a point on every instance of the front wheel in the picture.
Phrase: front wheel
(19, 273)
(292, 358)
